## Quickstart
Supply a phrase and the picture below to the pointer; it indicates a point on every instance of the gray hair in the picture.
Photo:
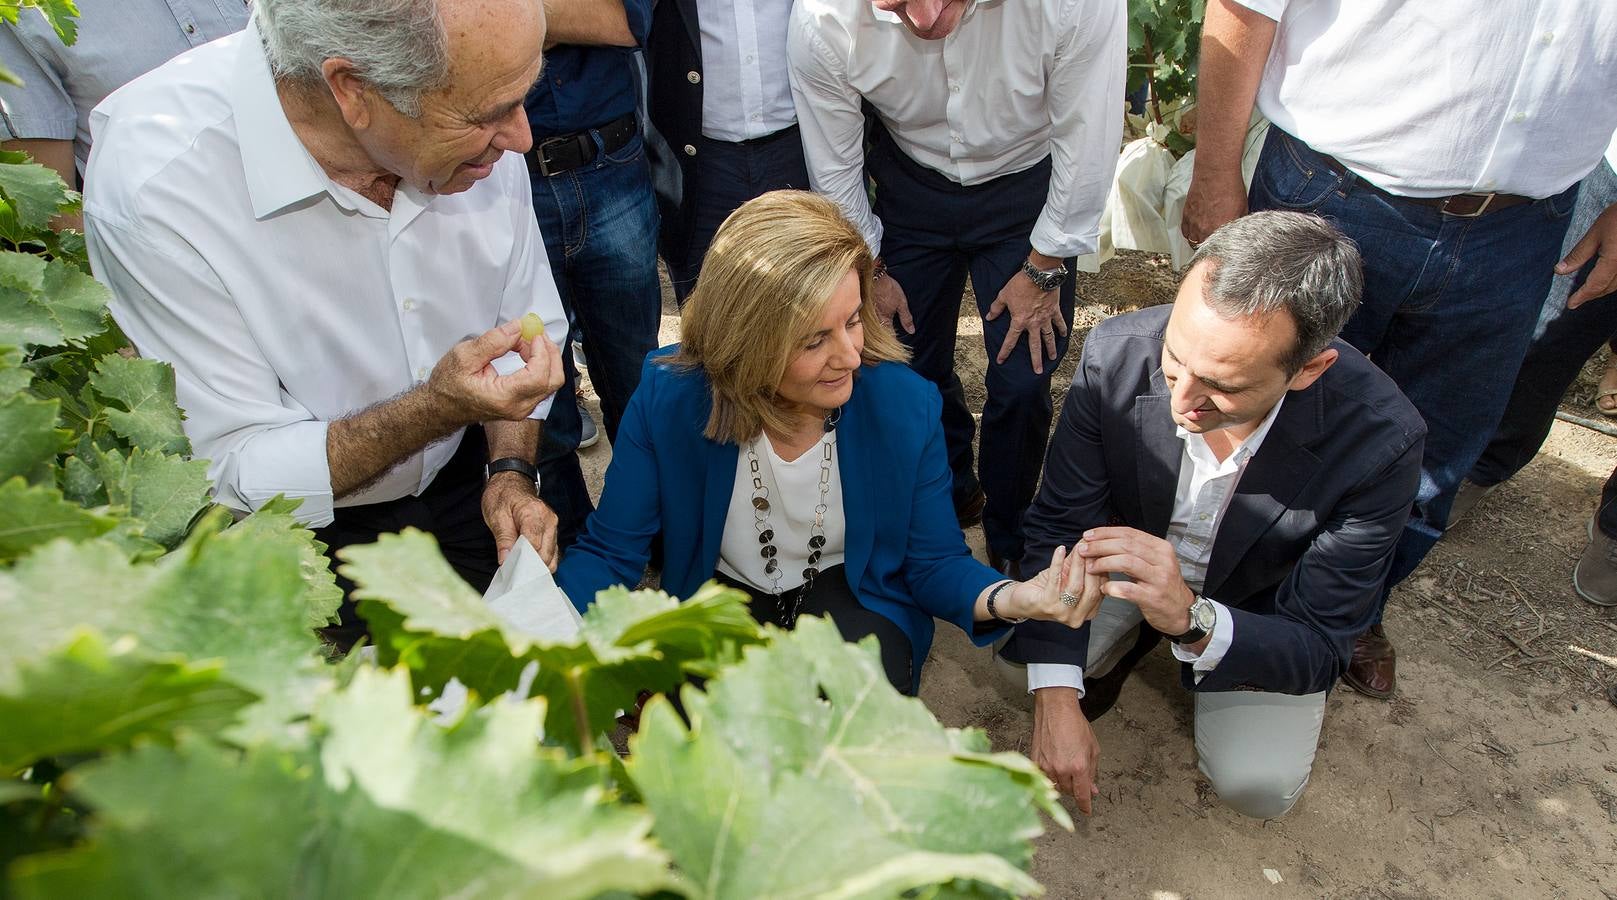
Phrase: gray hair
(1271, 261)
(400, 47)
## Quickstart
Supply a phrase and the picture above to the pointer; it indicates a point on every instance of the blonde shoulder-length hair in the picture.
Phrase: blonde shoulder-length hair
(765, 283)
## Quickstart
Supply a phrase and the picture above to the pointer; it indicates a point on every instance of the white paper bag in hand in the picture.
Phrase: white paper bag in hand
(525, 598)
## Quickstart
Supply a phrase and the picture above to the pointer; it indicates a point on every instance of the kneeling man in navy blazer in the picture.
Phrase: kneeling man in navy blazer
(1242, 475)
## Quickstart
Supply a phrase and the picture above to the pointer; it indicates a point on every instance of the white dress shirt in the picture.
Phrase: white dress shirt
(794, 492)
(1016, 81)
(1200, 500)
(282, 299)
(745, 90)
(1428, 99)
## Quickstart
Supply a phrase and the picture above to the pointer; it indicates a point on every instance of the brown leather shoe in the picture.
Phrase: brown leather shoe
(1373, 671)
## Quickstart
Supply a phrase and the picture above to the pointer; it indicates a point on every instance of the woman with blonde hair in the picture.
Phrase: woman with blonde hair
(785, 449)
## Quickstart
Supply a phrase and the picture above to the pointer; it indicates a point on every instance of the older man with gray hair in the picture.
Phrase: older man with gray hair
(317, 223)
(1242, 475)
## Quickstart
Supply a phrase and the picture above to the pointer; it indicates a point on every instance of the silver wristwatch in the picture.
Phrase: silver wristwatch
(1044, 279)
(1203, 614)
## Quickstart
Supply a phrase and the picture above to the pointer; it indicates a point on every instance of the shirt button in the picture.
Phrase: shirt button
(1548, 38)
(1519, 117)
(689, 150)
(954, 88)
(421, 373)
(694, 77)
(954, 136)
(409, 304)
(748, 59)
(190, 28)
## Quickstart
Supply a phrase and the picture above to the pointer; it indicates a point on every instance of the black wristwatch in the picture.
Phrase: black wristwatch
(1203, 614)
(1044, 279)
(513, 464)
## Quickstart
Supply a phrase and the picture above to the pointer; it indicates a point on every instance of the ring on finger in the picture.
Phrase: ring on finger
(1069, 598)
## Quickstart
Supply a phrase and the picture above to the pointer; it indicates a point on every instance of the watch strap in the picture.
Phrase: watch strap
(514, 464)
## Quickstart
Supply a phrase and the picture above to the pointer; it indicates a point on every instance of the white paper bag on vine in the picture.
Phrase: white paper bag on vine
(526, 599)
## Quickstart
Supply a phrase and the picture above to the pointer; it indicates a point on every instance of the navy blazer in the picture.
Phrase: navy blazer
(1305, 545)
(905, 556)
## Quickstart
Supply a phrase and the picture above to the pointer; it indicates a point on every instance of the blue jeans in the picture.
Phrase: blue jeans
(726, 175)
(1448, 310)
(599, 223)
(935, 233)
(1564, 339)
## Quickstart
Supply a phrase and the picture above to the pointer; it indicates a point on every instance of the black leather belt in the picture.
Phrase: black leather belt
(565, 152)
(769, 138)
(1464, 206)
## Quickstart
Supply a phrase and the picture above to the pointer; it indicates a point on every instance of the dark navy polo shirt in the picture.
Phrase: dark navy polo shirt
(584, 87)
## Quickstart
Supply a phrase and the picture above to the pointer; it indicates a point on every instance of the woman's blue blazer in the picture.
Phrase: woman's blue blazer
(905, 556)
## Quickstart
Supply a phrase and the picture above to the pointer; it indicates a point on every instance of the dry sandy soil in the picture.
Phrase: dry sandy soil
(1491, 773)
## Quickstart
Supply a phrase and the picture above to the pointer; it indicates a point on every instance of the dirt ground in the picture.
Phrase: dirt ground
(1491, 773)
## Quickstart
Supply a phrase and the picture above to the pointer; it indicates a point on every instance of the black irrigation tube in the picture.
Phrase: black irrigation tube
(1590, 424)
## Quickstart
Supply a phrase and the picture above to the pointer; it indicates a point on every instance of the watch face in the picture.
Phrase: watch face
(1202, 615)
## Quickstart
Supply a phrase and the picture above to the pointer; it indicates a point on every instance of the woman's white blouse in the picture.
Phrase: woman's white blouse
(794, 491)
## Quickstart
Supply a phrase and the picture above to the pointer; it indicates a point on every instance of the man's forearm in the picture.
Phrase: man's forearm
(1235, 47)
(518, 439)
(600, 23)
(363, 446)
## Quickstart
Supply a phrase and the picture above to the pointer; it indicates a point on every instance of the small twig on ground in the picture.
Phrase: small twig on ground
(1597, 657)
(1570, 737)
(1440, 756)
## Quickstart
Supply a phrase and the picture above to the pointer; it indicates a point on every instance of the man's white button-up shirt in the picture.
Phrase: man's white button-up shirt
(284, 300)
(1429, 99)
(1016, 81)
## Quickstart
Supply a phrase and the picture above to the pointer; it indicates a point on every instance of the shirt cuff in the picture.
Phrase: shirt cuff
(288, 460)
(1046, 675)
(1217, 645)
(1271, 9)
(1049, 239)
(512, 362)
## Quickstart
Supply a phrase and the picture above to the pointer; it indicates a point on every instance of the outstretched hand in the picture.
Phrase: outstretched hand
(1040, 597)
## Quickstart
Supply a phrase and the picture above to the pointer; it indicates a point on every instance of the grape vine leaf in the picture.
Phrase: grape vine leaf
(24, 322)
(88, 697)
(33, 515)
(145, 389)
(14, 378)
(76, 301)
(34, 192)
(239, 596)
(164, 492)
(803, 773)
(23, 272)
(32, 439)
(386, 804)
(422, 614)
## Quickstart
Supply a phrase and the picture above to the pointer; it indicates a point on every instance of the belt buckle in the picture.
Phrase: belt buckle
(539, 152)
(1487, 200)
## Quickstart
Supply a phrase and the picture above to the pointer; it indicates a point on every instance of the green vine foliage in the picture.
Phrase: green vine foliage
(171, 725)
(1164, 43)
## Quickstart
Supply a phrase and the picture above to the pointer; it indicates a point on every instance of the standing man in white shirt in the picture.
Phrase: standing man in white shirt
(721, 97)
(1243, 476)
(317, 223)
(996, 132)
(1447, 139)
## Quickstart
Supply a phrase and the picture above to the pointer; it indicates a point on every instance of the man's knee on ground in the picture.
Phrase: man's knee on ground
(1254, 789)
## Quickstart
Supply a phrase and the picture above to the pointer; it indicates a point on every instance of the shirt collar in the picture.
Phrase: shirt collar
(892, 18)
(1196, 443)
(278, 168)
